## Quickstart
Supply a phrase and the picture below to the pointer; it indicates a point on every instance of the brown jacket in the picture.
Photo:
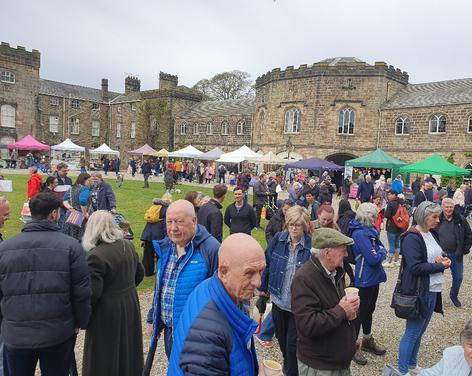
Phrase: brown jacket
(326, 340)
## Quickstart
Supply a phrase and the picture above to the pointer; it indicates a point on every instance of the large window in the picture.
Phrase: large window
(402, 126)
(54, 101)
(7, 76)
(437, 124)
(133, 130)
(183, 129)
(209, 128)
(292, 121)
(240, 127)
(195, 129)
(7, 116)
(469, 126)
(54, 124)
(75, 126)
(118, 130)
(347, 121)
(95, 128)
(75, 103)
(224, 128)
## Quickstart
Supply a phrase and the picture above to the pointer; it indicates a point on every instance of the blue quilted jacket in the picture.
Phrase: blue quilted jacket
(213, 336)
(201, 261)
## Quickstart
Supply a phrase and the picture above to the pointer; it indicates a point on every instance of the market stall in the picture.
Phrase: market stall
(211, 155)
(144, 150)
(375, 164)
(28, 151)
(187, 152)
(67, 152)
(435, 165)
(239, 155)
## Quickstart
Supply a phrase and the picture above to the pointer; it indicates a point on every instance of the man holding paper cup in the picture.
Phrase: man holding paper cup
(323, 310)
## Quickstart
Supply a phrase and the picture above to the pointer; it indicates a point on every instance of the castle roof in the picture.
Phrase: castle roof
(333, 61)
(432, 94)
(220, 108)
(61, 89)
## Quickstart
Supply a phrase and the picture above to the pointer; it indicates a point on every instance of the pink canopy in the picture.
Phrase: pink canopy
(28, 143)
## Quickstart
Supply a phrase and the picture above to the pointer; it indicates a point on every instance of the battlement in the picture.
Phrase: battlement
(335, 67)
(132, 84)
(20, 55)
(167, 81)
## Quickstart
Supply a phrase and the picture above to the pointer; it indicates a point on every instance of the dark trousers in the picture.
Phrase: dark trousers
(368, 297)
(200, 178)
(146, 182)
(53, 361)
(149, 261)
(258, 214)
(221, 179)
(286, 334)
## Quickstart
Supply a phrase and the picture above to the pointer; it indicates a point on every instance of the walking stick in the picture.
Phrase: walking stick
(149, 359)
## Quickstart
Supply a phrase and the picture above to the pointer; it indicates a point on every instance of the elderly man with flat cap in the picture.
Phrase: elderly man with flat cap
(323, 315)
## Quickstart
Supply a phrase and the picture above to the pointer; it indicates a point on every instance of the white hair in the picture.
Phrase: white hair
(317, 252)
(367, 213)
(101, 227)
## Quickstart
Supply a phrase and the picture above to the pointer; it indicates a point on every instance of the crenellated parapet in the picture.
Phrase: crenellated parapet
(20, 55)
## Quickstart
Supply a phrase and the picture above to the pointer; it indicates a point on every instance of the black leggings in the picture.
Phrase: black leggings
(286, 334)
(368, 297)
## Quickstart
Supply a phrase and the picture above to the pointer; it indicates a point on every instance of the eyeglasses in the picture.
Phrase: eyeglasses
(295, 225)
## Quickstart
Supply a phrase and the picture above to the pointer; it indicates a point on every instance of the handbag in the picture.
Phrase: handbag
(406, 306)
(75, 218)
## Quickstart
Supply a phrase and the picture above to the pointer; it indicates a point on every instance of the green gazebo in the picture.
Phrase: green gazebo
(436, 165)
(377, 159)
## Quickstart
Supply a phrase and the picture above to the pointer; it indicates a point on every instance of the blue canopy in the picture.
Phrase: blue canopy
(314, 164)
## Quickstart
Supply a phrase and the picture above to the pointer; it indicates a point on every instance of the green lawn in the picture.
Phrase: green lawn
(132, 202)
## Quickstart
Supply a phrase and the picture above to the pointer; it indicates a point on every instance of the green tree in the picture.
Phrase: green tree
(226, 85)
(446, 179)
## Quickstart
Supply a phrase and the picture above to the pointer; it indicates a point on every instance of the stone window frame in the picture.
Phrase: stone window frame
(8, 77)
(132, 133)
(469, 124)
(183, 128)
(196, 129)
(75, 126)
(95, 106)
(403, 119)
(437, 118)
(224, 128)
(54, 101)
(53, 124)
(7, 116)
(118, 130)
(349, 128)
(209, 128)
(240, 127)
(75, 103)
(292, 126)
(95, 129)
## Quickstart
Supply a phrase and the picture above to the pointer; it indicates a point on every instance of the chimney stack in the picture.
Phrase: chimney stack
(132, 84)
(104, 89)
(167, 81)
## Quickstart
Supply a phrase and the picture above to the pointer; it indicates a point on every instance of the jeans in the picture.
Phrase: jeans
(267, 329)
(286, 334)
(457, 271)
(146, 183)
(393, 243)
(411, 340)
(53, 361)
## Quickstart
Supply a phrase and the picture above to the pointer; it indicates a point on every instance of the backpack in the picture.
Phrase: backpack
(401, 218)
(153, 214)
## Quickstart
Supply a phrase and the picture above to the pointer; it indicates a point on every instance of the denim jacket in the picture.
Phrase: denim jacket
(277, 254)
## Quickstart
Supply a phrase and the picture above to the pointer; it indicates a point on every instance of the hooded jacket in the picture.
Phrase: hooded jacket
(462, 233)
(34, 184)
(45, 287)
(368, 252)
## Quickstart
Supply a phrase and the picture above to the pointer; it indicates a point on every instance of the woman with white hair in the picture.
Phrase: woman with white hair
(368, 252)
(422, 274)
(459, 198)
(113, 341)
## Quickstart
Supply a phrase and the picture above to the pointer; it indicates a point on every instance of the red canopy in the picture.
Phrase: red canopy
(28, 143)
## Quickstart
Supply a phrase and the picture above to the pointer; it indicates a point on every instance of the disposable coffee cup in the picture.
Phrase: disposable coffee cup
(271, 368)
(351, 293)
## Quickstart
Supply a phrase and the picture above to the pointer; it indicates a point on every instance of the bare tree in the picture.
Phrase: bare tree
(226, 85)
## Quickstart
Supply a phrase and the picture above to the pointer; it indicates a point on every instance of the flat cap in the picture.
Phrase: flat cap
(329, 238)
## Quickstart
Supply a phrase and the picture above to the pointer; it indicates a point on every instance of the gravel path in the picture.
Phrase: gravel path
(442, 331)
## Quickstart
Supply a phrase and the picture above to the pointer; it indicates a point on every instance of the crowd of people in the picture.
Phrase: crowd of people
(320, 271)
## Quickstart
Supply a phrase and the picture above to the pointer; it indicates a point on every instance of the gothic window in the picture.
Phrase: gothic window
(75, 126)
(54, 101)
(469, 128)
(437, 124)
(195, 128)
(75, 103)
(95, 106)
(54, 124)
(118, 130)
(95, 128)
(7, 76)
(402, 126)
(224, 128)
(209, 128)
(240, 127)
(347, 121)
(292, 121)
(7, 116)
(183, 129)
(133, 130)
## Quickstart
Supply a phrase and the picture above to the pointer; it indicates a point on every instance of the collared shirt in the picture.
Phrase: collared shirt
(286, 296)
(171, 274)
(331, 275)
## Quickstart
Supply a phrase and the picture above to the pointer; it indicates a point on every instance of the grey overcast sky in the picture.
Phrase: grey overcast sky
(83, 41)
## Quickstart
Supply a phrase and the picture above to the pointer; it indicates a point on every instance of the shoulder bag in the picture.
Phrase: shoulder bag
(75, 218)
(406, 306)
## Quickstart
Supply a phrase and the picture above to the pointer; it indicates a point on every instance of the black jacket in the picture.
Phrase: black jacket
(260, 193)
(45, 287)
(105, 197)
(275, 225)
(158, 230)
(462, 233)
(390, 211)
(344, 220)
(272, 186)
(242, 220)
(210, 216)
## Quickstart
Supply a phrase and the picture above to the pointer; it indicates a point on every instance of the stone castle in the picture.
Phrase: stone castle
(336, 109)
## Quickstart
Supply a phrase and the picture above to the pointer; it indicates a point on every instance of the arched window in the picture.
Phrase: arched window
(437, 124)
(209, 128)
(195, 128)
(7, 116)
(7, 76)
(224, 128)
(240, 127)
(183, 129)
(347, 121)
(402, 126)
(75, 126)
(469, 126)
(292, 121)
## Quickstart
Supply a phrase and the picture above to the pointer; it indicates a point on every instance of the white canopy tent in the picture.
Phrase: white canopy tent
(68, 145)
(240, 155)
(271, 158)
(187, 152)
(104, 149)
